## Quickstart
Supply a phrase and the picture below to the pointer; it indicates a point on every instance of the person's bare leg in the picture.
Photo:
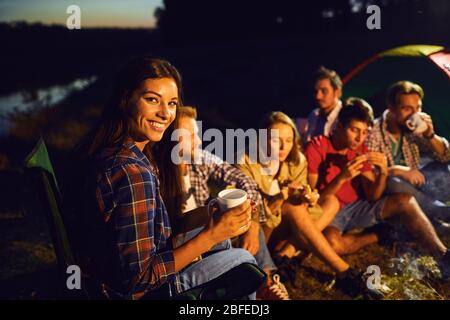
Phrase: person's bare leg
(407, 210)
(345, 244)
(330, 206)
(302, 225)
(287, 247)
(282, 241)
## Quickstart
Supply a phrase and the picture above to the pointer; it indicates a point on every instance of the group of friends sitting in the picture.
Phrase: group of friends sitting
(324, 191)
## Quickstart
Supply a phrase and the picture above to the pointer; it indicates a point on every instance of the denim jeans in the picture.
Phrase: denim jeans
(436, 176)
(221, 258)
(262, 256)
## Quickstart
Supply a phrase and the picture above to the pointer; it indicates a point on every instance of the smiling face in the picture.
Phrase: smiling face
(152, 108)
(325, 95)
(284, 142)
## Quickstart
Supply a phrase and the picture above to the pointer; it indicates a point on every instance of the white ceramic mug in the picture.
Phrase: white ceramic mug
(416, 124)
(227, 199)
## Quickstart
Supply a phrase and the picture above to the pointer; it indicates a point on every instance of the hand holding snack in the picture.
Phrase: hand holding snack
(303, 194)
(312, 196)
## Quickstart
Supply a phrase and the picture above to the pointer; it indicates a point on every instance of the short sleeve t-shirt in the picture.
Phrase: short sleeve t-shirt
(324, 160)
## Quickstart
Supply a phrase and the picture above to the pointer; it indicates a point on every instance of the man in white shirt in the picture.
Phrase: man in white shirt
(327, 94)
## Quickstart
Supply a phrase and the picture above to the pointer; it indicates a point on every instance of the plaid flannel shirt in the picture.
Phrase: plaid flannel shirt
(128, 198)
(209, 167)
(412, 145)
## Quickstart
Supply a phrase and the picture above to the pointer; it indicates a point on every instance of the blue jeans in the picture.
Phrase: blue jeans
(429, 196)
(262, 256)
(437, 177)
(222, 258)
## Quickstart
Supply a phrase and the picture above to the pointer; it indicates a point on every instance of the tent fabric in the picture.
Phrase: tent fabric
(442, 60)
(412, 51)
(425, 65)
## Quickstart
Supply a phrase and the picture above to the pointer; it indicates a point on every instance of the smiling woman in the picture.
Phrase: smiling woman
(142, 106)
(133, 187)
(153, 108)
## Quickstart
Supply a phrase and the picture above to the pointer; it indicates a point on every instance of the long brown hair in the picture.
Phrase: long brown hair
(114, 127)
(275, 117)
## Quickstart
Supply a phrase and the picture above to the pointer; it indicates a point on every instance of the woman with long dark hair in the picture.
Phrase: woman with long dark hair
(136, 186)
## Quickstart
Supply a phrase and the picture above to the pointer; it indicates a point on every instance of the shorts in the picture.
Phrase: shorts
(360, 214)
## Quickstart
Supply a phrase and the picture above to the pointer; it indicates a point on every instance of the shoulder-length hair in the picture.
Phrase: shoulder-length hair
(275, 117)
(114, 126)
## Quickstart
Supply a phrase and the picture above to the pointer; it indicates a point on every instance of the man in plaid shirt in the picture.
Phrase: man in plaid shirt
(210, 168)
(404, 148)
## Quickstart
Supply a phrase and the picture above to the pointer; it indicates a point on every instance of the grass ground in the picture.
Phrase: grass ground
(27, 271)
(313, 278)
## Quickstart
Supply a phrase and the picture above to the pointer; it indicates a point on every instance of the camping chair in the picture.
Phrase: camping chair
(236, 283)
(47, 199)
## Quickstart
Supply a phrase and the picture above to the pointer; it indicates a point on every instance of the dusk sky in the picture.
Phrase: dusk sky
(94, 13)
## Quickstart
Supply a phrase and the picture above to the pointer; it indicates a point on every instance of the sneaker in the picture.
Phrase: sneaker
(277, 291)
(354, 284)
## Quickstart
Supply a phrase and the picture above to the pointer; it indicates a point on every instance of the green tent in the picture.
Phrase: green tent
(426, 65)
